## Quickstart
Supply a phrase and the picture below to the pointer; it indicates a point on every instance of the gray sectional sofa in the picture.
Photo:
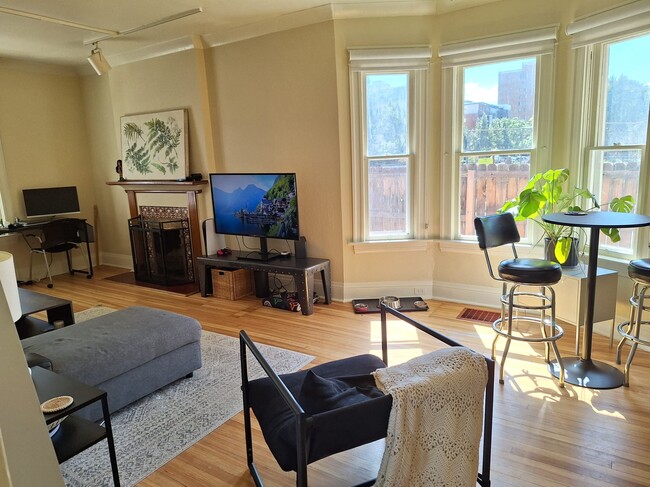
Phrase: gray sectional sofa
(128, 353)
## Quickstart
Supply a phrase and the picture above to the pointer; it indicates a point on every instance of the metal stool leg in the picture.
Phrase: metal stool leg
(636, 334)
(633, 311)
(542, 324)
(511, 298)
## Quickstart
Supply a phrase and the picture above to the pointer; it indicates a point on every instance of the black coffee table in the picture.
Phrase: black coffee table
(75, 434)
(32, 302)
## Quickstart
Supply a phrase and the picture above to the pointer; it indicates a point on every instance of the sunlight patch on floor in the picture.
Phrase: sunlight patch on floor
(527, 373)
(403, 341)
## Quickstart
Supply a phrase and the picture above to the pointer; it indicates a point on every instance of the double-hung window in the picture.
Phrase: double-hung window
(496, 111)
(612, 121)
(388, 110)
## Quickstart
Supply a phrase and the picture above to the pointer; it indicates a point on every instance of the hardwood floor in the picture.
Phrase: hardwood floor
(543, 435)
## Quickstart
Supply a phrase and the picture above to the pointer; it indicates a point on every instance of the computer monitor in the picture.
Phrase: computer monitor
(44, 202)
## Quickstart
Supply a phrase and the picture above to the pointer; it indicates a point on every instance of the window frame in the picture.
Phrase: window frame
(413, 61)
(591, 64)
(452, 127)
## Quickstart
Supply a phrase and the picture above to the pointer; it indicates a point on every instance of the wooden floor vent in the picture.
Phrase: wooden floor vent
(472, 314)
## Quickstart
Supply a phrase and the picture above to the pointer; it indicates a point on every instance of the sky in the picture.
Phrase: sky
(231, 182)
(481, 81)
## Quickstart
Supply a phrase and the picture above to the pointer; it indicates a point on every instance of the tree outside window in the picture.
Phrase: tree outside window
(498, 133)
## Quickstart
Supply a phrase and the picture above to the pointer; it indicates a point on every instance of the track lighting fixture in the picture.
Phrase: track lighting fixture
(98, 61)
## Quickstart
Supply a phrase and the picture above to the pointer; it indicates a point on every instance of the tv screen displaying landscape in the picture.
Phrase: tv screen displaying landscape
(260, 205)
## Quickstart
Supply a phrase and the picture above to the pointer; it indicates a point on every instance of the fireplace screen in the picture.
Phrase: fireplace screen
(161, 250)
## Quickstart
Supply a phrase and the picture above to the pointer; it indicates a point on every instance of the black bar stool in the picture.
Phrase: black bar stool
(497, 230)
(639, 272)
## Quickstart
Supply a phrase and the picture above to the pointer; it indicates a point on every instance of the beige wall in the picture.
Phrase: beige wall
(44, 140)
(277, 111)
(166, 83)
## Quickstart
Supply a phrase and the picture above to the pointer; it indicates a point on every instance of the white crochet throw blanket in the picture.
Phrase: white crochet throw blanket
(435, 424)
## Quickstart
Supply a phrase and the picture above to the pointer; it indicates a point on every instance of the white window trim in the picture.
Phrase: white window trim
(415, 61)
(538, 43)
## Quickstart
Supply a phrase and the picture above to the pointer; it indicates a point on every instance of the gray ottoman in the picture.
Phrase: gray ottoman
(129, 353)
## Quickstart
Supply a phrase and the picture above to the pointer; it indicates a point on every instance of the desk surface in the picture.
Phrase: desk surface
(26, 225)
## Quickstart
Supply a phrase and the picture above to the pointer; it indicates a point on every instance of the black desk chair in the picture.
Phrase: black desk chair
(337, 423)
(518, 277)
(55, 237)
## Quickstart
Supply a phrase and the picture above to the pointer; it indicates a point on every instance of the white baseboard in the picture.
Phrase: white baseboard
(124, 261)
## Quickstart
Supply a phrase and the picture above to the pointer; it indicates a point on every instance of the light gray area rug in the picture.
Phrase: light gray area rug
(90, 313)
(157, 428)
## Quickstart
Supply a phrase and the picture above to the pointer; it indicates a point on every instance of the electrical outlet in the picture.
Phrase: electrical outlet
(418, 291)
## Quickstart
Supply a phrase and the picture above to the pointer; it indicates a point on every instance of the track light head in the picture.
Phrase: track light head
(98, 61)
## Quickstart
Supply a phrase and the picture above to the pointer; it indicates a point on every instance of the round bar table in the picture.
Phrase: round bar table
(583, 371)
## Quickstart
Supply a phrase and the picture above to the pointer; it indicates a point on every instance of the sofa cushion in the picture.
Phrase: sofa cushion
(105, 347)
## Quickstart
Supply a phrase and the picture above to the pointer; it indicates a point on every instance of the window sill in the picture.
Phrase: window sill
(376, 247)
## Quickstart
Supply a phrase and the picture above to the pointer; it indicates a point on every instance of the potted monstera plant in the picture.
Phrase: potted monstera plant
(549, 192)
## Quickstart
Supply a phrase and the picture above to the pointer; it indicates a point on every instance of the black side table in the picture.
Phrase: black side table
(75, 434)
(32, 302)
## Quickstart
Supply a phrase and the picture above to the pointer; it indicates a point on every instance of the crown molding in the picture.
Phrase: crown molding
(293, 20)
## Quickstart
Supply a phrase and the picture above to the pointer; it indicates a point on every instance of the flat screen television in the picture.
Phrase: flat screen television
(256, 205)
(45, 202)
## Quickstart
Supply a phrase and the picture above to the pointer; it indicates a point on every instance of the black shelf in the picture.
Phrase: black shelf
(29, 326)
(76, 434)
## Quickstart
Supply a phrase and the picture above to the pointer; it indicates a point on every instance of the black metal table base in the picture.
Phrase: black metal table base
(588, 373)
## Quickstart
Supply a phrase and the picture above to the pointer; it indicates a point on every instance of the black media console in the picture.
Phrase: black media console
(302, 270)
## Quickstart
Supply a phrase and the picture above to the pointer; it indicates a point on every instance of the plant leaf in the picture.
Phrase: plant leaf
(612, 233)
(562, 249)
(623, 204)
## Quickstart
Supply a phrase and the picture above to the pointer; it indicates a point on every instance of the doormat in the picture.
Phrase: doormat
(472, 314)
(129, 278)
(371, 305)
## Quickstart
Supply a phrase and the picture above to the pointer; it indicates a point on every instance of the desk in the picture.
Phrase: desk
(86, 235)
(32, 302)
(302, 270)
(583, 371)
(75, 434)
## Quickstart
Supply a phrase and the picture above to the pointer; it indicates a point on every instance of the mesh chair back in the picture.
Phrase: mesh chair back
(496, 230)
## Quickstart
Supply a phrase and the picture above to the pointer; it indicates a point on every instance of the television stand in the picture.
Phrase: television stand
(258, 256)
(303, 271)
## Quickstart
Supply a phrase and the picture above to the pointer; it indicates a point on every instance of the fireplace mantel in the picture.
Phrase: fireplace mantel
(157, 182)
(190, 188)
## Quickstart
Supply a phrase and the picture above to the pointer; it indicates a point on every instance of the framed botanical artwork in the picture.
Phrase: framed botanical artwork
(155, 146)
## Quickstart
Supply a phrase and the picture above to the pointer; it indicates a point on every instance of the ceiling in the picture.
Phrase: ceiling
(219, 22)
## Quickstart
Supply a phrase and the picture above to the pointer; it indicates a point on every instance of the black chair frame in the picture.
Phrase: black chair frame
(303, 420)
(57, 236)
